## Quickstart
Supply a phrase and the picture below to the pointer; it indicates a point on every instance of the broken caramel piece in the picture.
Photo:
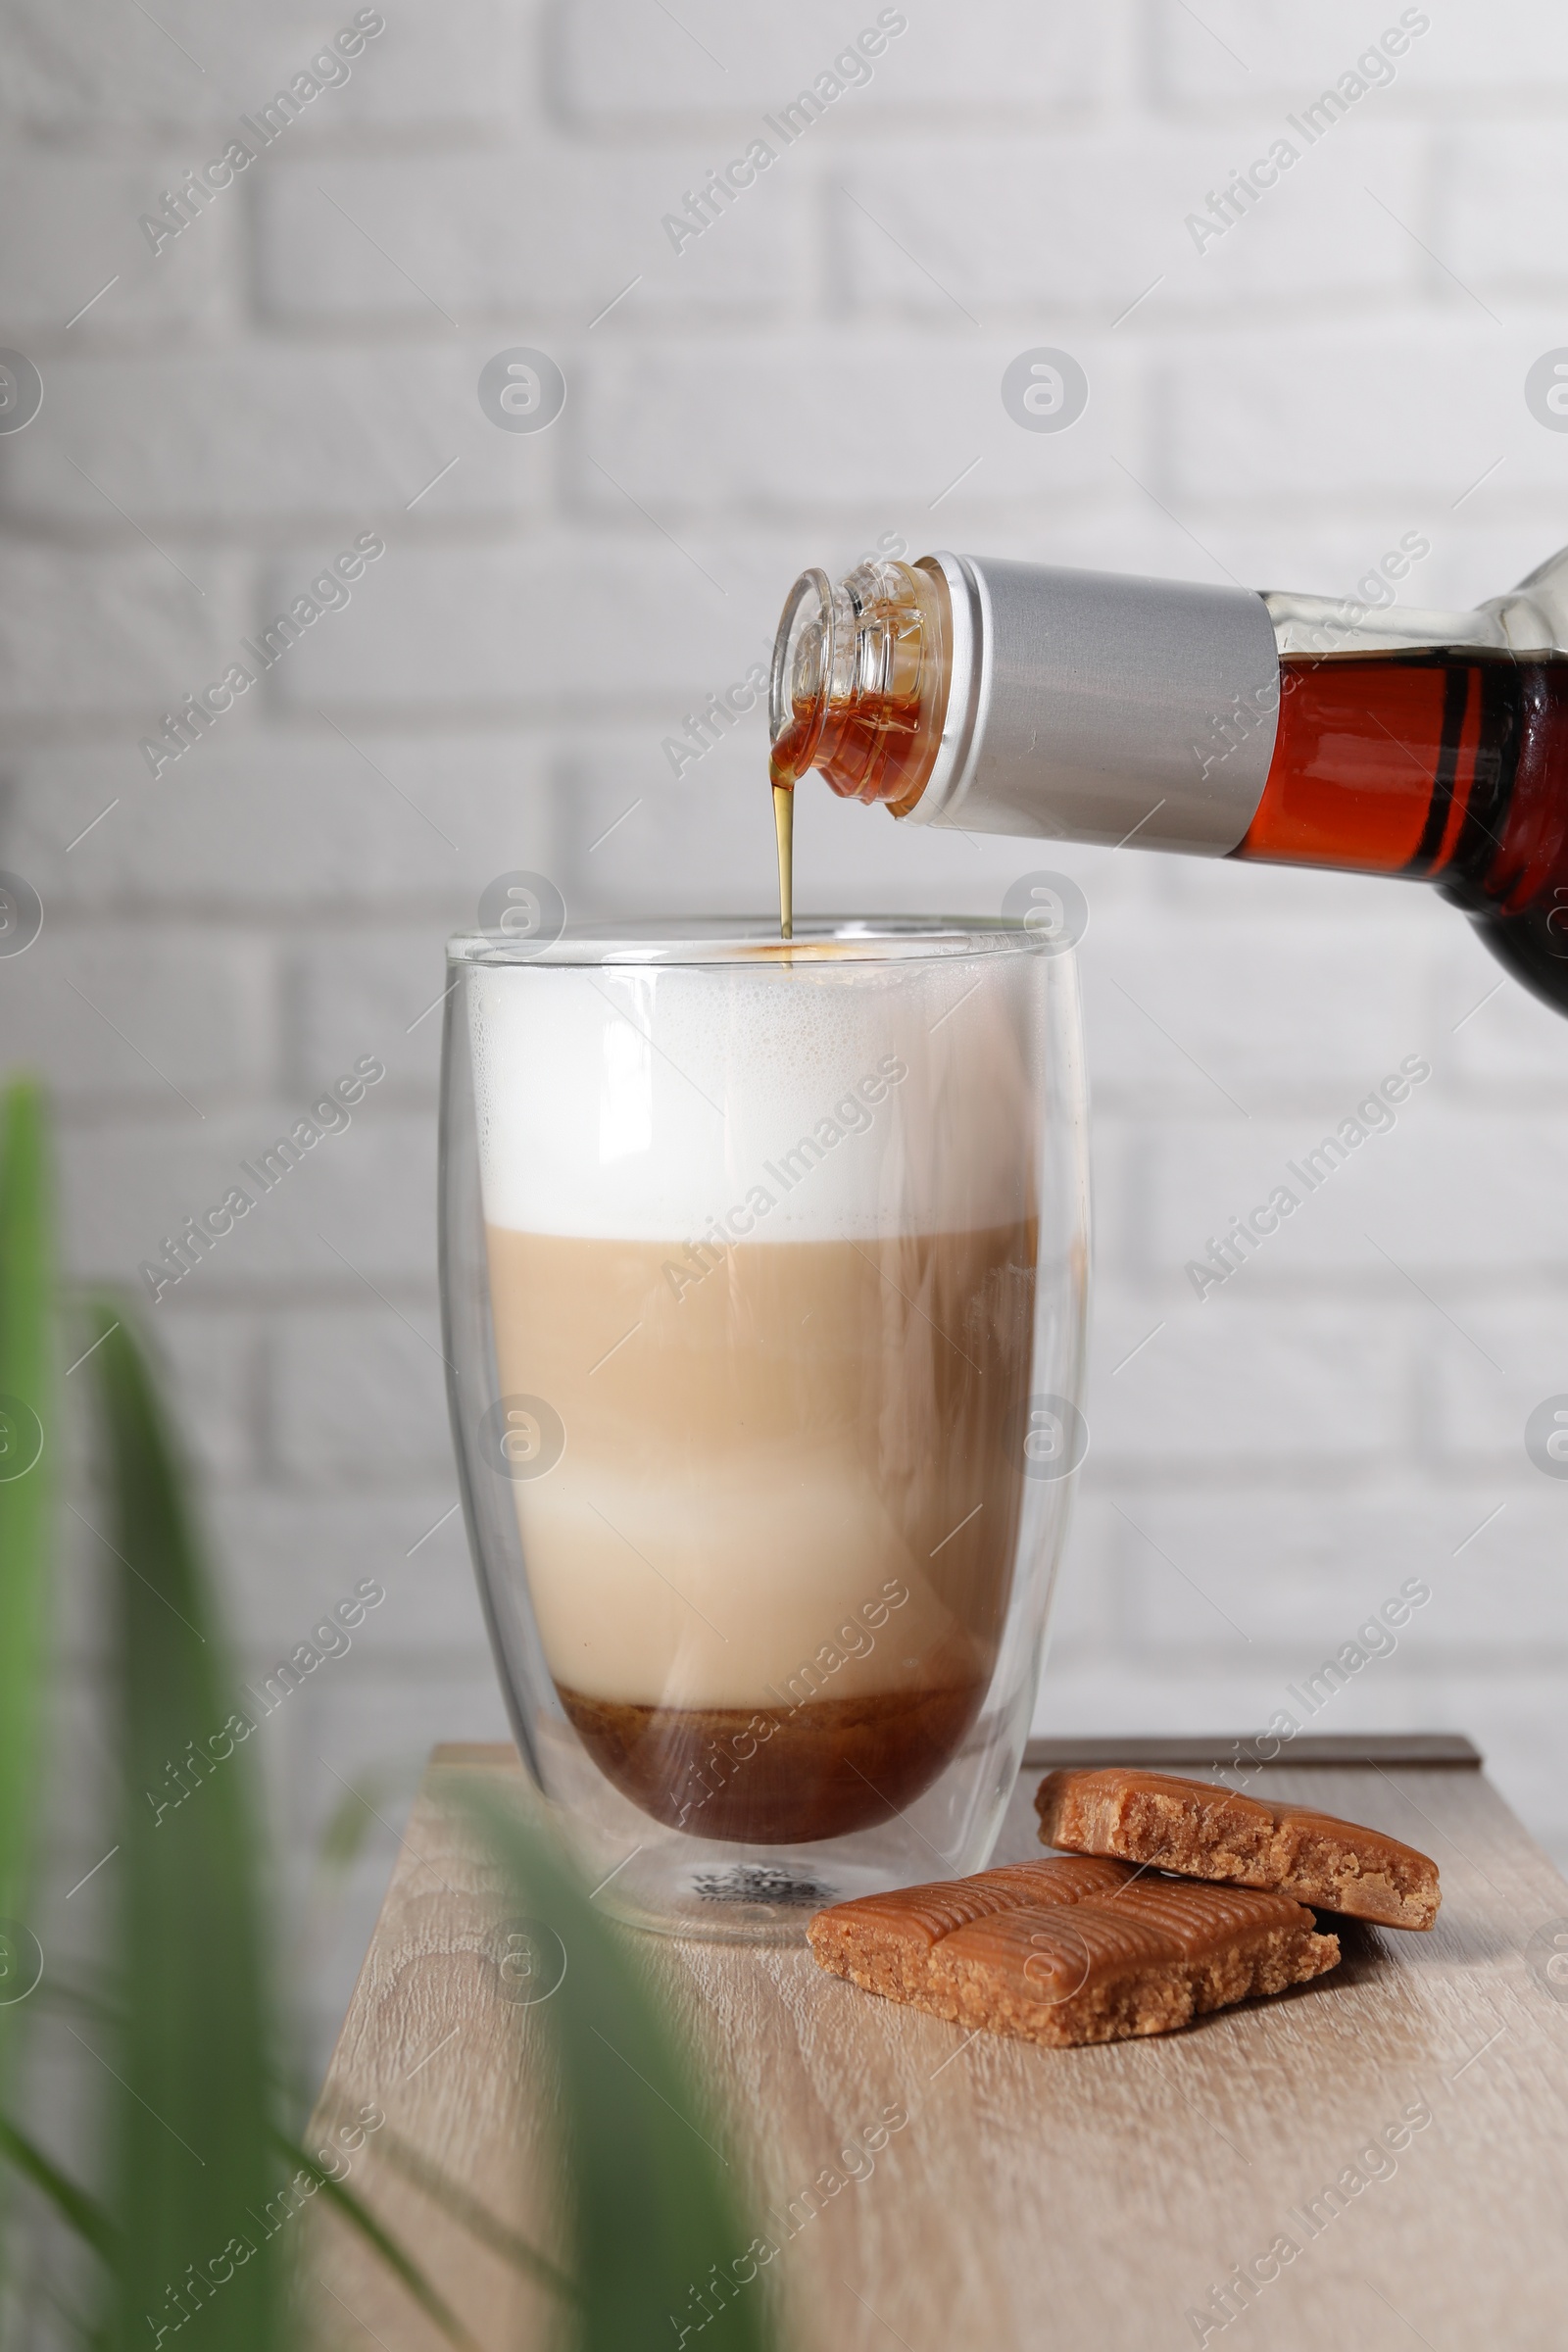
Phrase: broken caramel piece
(1144, 1961)
(1204, 1832)
(1055, 1955)
(885, 1942)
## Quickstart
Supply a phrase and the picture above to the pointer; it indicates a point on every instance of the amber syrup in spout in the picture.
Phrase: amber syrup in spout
(1447, 765)
(857, 694)
(869, 750)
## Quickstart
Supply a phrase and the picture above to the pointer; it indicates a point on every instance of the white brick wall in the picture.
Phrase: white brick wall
(815, 370)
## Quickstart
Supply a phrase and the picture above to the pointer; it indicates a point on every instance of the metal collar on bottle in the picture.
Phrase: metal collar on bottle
(1094, 706)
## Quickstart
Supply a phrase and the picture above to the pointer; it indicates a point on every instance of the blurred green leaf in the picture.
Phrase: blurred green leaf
(198, 2221)
(352, 1821)
(26, 1471)
(200, 2197)
(59, 1990)
(75, 2207)
(477, 2219)
(359, 2217)
(655, 2209)
(26, 1476)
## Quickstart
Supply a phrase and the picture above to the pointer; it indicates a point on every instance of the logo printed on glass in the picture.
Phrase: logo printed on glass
(521, 390)
(1051, 909)
(1045, 390)
(527, 909)
(1056, 1440)
(522, 1437)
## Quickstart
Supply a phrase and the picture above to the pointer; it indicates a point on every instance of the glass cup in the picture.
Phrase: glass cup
(764, 1272)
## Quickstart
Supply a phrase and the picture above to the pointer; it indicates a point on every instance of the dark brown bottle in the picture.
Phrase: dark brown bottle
(1083, 706)
(1447, 765)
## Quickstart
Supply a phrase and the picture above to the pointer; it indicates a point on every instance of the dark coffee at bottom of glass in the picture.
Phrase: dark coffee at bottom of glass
(776, 1775)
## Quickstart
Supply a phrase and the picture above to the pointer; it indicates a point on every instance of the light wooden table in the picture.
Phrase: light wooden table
(1073, 2201)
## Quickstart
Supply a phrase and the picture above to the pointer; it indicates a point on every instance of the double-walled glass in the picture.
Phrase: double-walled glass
(764, 1275)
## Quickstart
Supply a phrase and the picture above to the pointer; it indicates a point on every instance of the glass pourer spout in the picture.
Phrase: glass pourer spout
(859, 682)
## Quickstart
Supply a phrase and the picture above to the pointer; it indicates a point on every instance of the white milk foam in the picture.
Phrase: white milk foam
(642, 1103)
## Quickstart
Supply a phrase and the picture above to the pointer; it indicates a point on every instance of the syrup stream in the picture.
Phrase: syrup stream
(784, 826)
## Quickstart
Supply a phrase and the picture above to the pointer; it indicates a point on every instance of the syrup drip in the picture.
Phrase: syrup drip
(784, 825)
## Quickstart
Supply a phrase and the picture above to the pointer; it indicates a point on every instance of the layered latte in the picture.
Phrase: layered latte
(766, 1247)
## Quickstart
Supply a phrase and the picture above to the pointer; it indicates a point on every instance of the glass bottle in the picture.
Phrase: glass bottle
(1301, 730)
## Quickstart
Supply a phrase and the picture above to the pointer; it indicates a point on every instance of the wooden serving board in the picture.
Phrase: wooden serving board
(1082, 2200)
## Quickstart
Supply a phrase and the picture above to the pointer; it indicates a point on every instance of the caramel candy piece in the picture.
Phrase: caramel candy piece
(885, 1942)
(1204, 1832)
(1144, 1961)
